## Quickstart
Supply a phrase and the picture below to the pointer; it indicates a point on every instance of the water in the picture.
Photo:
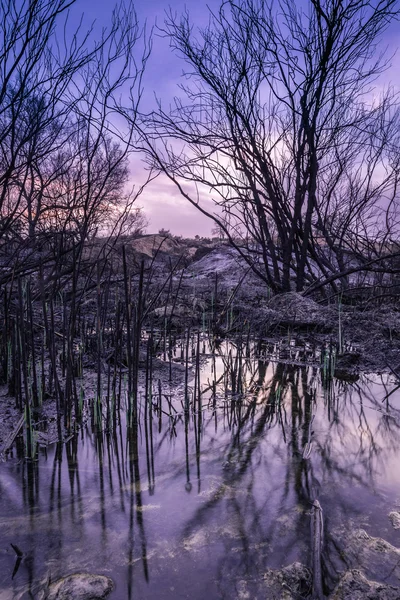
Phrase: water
(198, 507)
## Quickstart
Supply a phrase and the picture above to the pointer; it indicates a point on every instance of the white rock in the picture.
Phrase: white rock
(80, 586)
(395, 519)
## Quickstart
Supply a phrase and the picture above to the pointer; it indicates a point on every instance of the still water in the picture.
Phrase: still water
(192, 505)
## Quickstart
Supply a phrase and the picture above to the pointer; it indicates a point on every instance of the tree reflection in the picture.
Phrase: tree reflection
(282, 410)
(244, 465)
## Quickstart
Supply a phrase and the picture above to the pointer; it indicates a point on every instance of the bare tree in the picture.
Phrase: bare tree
(283, 122)
(63, 163)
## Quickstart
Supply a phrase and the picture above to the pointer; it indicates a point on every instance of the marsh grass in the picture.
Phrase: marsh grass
(85, 340)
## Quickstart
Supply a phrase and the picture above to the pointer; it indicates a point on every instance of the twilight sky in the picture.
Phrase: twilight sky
(163, 205)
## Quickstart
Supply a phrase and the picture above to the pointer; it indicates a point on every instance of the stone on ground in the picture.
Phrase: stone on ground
(355, 586)
(394, 517)
(80, 586)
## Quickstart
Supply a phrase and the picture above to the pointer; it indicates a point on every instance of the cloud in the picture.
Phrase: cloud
(166, 208)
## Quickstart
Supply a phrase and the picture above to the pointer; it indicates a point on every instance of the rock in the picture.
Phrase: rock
(150, 245)
(375, 557)
(201, 252)
(228, 264)
(79, 586)
(297, 578)
(286, 584)
(394, 517)
(355, 586)
(289, 583)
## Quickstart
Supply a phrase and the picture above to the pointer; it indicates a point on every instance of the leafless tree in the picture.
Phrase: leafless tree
(63, 163)
(64, 170)
(282, 119)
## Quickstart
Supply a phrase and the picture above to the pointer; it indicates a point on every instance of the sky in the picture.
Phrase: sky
(162, 203)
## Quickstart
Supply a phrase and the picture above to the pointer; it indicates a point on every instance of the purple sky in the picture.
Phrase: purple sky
(163, 205)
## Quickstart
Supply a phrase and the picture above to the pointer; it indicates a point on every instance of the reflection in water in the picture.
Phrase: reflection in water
(213, 495)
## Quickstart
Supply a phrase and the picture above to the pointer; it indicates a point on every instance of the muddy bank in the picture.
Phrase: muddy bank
(50, 429)
(365, 340)
(220, 286)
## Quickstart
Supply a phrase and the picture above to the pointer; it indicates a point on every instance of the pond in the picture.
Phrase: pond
(201, 503)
